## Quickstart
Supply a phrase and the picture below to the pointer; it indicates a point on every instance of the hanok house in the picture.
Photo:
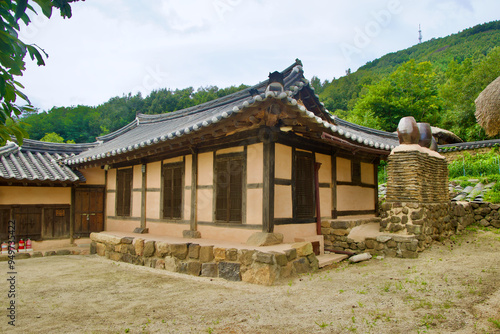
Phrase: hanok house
(268, 158)
(46, 198)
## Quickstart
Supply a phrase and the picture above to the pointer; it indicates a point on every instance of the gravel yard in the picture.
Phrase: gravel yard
(452, 287)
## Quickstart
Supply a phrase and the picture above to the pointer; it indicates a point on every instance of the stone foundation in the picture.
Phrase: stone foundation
(232, 264)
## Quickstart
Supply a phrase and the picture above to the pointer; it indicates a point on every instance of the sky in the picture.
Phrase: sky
(114, 47)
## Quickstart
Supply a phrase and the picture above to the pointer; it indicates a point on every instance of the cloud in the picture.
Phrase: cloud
(114, 47)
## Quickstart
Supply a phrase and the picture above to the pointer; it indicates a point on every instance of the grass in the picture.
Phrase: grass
(495, 322)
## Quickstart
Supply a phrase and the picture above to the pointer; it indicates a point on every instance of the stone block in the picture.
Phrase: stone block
(409, 254)
(179, 251)
(386, 206)
(209, 269)
(20, 256)
(291, 254)
(115, 256)
(159, 264)
(172, 264)
(414, 229)
(264, 257)
(495, 223)
(383, 238)
(404, 220)
(194, 251)
(395, 219)
(93, 247)
(263, 274)
(231, 254)
(286, 271)
(281, 259)
(162, 249)
(301, 265)
(303, 248)
(391, 244)
(325, 223)
(245, 256)
(219, 254)
(343, 224)
(484, 222)
(150, 262)
(194, 268)
(39, 254)
(264, 239)
(106, 238)
(340, 232)
(149, 248)
(100, 249)
(326, 230)
(313, 261)
(370, 243)
(206, 253)
(418, 214)
(139, 246)
(127, 258)
(127, 240)
(191, 234)
(229, 271)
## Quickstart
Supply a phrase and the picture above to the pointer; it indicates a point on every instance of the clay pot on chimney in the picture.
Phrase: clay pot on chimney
(408, 132)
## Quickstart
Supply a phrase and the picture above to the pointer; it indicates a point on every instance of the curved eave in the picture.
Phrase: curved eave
(285, 97)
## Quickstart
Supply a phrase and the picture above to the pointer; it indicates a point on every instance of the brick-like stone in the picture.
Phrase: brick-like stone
(194, 268)
(264, 257)
(409, 254)
(219, 254)
(231, 254)
(265, 239)
(343, 224)
(418, 214)
(115, 256)
(264, 274)
(383, 238)
(206, 253)
(370, 243)
(303, 248)
(93, 247)
(341, 232)
(291, 254)
(229, 271)
(245, 256)
(159, 264)
(209, 269)
(301, 265)
(172, 263)
(100, 249)
(179, 251)
(281, 259)
(404, 220)
(20, 256)
(194, 251)
(139, 246)
(149, 248)
(162, 249)
(495, 223)
(39, 254)
(395, 219)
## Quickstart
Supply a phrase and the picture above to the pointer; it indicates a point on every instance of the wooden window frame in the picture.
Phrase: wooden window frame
(171, 190)
(299, 209)
(124, 195)
(230, 158)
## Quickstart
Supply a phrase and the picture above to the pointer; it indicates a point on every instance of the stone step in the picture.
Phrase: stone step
(349, 222)
(327, 259)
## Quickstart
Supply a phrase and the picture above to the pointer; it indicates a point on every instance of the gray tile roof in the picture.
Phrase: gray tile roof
(468, 145)
(38, 162)
(148, 130)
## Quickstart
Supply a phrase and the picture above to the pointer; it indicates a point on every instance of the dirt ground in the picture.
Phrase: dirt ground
(452, 288)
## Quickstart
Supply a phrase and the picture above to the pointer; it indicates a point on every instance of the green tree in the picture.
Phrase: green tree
(411, 90)
(12, 54)
(52, 138)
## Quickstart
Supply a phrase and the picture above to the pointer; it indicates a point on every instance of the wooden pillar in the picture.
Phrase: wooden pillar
(375, 179)
(268, 187)
(143, 195)
(334, 186)
(72, 214)
(193, 224)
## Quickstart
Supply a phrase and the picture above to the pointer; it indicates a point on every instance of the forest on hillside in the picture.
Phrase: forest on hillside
(436, 81)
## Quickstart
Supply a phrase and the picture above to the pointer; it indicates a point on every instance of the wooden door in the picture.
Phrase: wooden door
(89, 211)
(28, 222)
(56, 222)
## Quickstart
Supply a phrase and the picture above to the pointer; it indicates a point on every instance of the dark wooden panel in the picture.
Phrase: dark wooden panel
(28, 222)
(56, 223)
(4, 223)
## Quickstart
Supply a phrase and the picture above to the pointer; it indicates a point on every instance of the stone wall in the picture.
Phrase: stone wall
(337, 238)
(232, 264)
(453, 155)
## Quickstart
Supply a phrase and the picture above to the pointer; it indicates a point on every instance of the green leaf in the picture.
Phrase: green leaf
(20, 8)
(46, 6)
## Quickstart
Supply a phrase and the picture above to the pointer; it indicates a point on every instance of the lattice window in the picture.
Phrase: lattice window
(229, 188)
(123, 191)
(304, 185)
(172, 190)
